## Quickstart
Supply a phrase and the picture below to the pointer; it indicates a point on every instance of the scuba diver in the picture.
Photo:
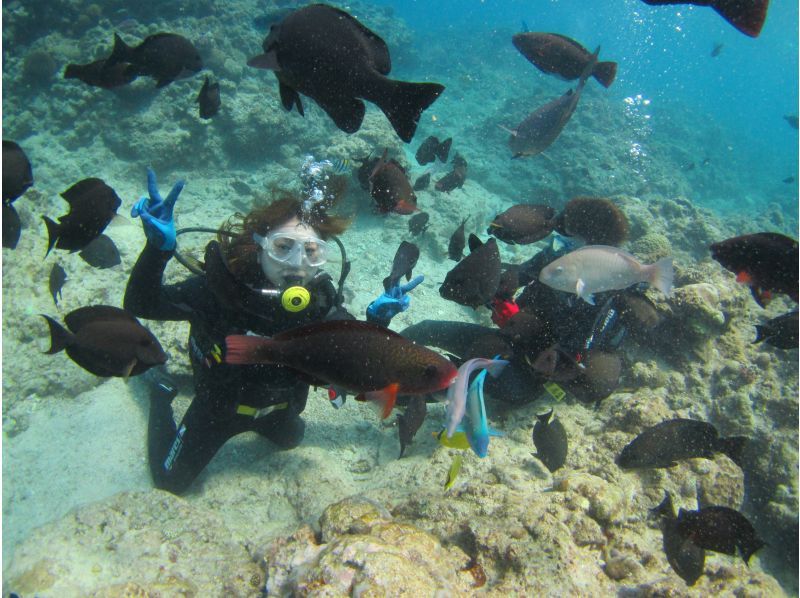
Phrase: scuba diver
(550, 338)
(261, 275)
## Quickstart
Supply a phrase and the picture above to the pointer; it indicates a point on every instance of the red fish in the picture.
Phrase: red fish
(359, 357)
(766, 262)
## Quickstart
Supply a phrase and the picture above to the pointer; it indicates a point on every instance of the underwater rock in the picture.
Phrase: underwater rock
(355, 515)
(162, 544)
(389, 557)
(651, 247)
(720, 482)
(697, 308)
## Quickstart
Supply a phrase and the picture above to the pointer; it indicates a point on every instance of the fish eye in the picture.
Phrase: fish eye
(560, 269)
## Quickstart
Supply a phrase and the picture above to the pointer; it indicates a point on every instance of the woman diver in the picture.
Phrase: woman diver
(261, 275)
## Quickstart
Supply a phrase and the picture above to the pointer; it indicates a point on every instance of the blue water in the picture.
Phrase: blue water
(664, 56)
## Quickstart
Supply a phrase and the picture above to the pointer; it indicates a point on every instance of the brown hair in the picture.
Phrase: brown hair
(236, 234)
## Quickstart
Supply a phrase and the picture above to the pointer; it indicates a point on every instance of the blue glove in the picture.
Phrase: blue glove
(392, 302)
(156, 213)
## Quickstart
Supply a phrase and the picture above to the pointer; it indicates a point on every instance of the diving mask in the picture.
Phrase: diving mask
(294, 249)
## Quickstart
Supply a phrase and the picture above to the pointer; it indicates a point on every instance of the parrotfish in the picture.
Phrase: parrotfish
(478, 431)
(597, 268)
(359, 357)
(457, 391)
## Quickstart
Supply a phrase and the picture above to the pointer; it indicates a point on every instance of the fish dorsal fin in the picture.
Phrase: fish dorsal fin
(79, 189)
(545, 417)
(570, 41)
(474, 242)
(330, 327)
(96, 313)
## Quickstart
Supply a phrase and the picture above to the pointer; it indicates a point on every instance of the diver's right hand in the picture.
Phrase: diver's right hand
(156, 213)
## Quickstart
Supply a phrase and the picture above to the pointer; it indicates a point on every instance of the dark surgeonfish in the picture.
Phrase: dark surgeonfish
(720, 529)
(359, 357)
(422, 182)
(162, 56)
(390, 188)
(101, 253)
(418, 223)
(455, 178)
(523, 224)
(100, 74)
(543, 126)
(562, 56)
(106, 341)
(92, 205)
(550, 439)
(766, 262)
(411, 420)
(664, 444)
(405, 258)
(17, 178)
(474, 280)
(458, 240)
(717, 49)
(746, 15)
(57, 279)
(12, 226)
(780, 332)
(686, 558)
(209, 99)
(432, 148)
(792, 120)
(324, 53)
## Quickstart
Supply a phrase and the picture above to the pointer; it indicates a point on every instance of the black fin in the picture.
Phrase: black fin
(53, 231)
(404, 104)
(119, 53)
(545, 417)
(59, 336)
(665, 508)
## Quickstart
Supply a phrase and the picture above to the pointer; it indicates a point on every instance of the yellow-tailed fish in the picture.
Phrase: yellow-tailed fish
(455, 467)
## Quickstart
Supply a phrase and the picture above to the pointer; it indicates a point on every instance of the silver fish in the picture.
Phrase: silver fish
(597, 268)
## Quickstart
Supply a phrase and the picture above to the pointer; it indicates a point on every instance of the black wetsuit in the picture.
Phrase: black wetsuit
(229, 399)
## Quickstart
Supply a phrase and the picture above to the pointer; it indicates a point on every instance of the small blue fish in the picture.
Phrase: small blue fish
(457, 391)
(478, 431)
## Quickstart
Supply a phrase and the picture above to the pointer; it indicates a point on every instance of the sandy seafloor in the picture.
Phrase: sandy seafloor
(80, 516)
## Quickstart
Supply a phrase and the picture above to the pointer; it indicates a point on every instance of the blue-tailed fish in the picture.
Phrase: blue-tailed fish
(477, 428)
(457, 391)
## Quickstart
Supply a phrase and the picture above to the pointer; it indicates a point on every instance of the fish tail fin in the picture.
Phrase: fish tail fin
(385, 398)
(405, 102)
(496, 367)
(241, 349)
(661, 275)
(59, 336)
(665, 508)
(747, 17)
(733, 447)
(72, 71)
(120, 52)
(52, 233)
(588, 70)
(605, 73)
